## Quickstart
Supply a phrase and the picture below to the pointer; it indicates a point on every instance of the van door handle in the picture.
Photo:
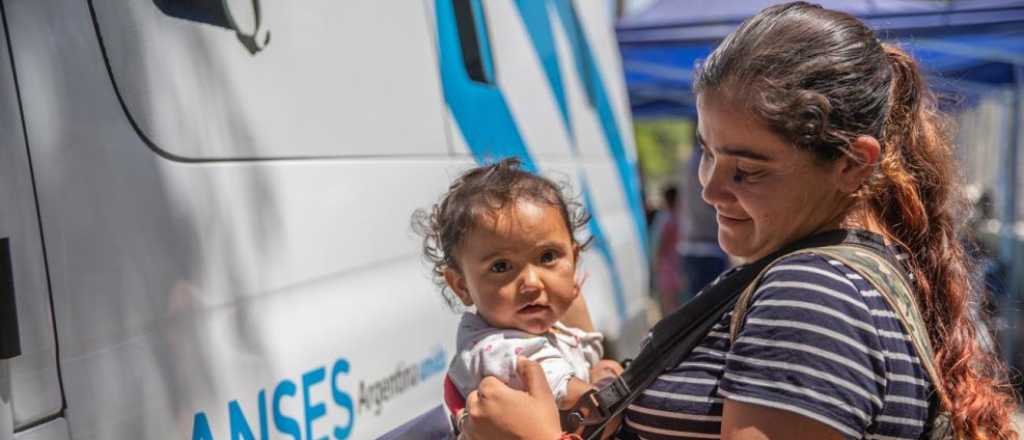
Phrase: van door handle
(10, 339)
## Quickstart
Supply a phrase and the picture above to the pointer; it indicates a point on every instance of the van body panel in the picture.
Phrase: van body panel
(52, 430)
(334, 76)
(202, 293)
(34, 383)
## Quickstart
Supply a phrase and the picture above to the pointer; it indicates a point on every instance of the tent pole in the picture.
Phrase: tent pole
(1009, 243)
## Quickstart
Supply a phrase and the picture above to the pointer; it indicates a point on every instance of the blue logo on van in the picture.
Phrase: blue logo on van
(342, 406)
(241, 428)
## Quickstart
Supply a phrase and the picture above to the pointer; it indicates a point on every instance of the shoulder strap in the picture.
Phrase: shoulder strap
(892, 285)
(889, 282)
(674, 337)
(739, 311)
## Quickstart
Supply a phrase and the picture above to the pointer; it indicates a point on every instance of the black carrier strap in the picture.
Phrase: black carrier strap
(675, 336)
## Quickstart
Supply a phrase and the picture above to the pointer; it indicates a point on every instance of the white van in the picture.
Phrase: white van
(207, 202)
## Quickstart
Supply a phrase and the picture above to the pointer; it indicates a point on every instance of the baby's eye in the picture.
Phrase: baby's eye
(548, 256)
(500, 267)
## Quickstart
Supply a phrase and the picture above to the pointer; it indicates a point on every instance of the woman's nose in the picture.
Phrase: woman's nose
(716, 185)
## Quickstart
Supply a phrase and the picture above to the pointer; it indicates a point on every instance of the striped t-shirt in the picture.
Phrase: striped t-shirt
(817, 341)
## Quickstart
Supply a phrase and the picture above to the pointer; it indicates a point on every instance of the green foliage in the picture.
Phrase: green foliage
(663, 146)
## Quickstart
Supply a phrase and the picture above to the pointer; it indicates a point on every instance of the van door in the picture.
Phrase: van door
(31, 399)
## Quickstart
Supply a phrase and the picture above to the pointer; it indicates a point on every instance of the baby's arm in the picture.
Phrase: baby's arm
(573, 391)
(604, 371)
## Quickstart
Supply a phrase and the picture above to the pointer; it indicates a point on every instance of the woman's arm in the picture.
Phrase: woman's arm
(744, 421)
(578, 315)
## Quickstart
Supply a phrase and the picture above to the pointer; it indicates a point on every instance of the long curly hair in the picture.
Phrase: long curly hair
(820, 79)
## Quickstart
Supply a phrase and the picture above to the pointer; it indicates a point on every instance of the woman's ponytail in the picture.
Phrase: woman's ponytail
(918, 202)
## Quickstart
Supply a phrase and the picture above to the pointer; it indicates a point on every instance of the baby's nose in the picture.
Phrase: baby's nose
(531, 280)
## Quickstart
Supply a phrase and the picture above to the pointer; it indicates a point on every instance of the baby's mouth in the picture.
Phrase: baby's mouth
(533, 308)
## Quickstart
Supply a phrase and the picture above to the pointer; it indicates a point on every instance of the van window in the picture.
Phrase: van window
(474, 40)
(257, 79)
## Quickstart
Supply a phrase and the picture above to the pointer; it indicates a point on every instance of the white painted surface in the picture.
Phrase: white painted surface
(57, 429)
(29, 381)
(339, 78)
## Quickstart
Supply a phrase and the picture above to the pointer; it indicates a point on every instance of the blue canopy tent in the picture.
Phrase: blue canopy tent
(969, 44)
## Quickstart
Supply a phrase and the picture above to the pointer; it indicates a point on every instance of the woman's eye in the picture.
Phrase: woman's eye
(706, 158)
(500, 267)
(548, 257)
(744, 175)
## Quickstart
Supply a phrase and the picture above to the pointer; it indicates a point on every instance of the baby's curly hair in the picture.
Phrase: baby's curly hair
(480, 191)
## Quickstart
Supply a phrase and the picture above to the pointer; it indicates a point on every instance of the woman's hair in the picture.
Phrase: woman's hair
(821, 78)
(480, 192)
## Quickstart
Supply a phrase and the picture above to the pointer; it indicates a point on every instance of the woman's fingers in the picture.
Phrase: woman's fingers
(472, 402)
(533, 377)
(471, 411)
(498, 412)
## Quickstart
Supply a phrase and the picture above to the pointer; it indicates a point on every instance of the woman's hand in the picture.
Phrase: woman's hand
(499, 412)
(604, 369)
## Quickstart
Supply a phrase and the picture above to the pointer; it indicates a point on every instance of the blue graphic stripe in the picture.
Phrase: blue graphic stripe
(538, 24)
(480, 110)
(605, 249)
(570, 21)
(590, 76)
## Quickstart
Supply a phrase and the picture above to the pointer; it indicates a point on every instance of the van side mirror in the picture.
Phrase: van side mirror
(244, 17)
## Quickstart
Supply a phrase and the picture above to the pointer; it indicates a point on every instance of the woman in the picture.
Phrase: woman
(808, 123)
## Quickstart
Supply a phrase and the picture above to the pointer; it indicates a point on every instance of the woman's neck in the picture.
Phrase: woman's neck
(862, 219)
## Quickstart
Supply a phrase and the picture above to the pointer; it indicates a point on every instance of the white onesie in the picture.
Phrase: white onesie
(563, 352)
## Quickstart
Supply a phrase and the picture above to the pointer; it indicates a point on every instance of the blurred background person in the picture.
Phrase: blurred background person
(665, 259)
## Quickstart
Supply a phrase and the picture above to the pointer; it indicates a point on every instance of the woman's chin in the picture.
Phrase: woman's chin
(735, 245)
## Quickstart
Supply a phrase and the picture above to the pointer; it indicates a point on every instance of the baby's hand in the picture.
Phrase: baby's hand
(605, 369)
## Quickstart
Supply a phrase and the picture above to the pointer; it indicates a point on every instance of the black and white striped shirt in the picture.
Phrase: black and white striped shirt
(817, 341)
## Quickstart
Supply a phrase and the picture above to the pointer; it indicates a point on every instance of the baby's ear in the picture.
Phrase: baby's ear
(457, 283)
(580, 278)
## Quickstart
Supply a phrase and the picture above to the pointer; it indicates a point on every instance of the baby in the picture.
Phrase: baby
(502, 240)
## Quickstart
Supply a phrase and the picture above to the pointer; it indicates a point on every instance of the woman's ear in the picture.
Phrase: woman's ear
(856, 167)
(457, 283)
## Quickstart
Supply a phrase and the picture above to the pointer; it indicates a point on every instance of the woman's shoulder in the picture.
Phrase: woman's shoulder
(803, 274)
(824, 295)
(836, 332)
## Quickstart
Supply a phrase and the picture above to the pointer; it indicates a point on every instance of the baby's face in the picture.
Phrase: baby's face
(518, 268)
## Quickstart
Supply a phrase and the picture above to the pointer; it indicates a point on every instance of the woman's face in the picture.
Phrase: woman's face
(766, 192)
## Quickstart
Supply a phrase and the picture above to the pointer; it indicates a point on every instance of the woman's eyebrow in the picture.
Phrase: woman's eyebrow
(736, 150)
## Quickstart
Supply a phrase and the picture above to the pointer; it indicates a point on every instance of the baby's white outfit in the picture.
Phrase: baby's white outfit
(563, 352)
